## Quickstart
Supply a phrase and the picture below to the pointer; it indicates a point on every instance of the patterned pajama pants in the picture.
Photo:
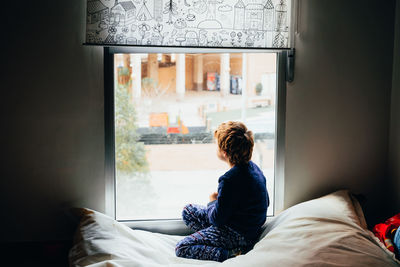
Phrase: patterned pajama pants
(208, 242)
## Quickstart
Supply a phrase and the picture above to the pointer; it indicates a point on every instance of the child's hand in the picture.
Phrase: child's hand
(213, 196)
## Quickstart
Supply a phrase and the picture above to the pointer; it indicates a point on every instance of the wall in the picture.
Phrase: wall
(167, 79)
(235, 64)
(189, 72)
(255, 72)
(167, 76)
(394, 146)
(53, 120)
(338, 105)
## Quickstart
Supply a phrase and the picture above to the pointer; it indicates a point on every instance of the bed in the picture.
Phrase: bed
(327, 231)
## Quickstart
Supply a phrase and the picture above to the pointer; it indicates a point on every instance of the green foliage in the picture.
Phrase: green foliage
(149, 84)
(129, 153)
(259, 88)
(123, 71)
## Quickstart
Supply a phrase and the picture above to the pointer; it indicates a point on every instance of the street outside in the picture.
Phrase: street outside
(188, 173)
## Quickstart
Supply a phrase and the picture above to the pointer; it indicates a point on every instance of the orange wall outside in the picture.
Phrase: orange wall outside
(167, 77)
(236, 64)
(189, 72)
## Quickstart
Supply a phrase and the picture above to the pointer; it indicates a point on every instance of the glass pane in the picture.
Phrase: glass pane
(167, 107)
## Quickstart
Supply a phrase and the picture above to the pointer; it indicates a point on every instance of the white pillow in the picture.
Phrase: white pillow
(327, 231)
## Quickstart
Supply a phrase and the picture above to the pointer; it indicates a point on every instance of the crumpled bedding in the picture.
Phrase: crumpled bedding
(328, 231)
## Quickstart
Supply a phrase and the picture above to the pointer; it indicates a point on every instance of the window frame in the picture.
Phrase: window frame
(176, 226)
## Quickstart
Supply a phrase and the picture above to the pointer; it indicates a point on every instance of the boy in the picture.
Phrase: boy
(231, 222)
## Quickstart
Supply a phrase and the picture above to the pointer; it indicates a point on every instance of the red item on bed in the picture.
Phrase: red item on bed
(385, 231)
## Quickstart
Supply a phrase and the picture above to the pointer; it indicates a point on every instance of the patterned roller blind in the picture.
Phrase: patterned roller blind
(201, 23)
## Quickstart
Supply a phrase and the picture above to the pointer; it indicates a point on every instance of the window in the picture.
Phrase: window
(162, 112)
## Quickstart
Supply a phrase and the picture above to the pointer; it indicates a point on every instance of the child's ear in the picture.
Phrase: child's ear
(225, 155)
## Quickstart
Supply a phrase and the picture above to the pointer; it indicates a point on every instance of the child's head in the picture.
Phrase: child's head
(235, 141)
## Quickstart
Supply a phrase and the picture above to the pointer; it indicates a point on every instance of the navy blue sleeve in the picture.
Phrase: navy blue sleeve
(220, 211)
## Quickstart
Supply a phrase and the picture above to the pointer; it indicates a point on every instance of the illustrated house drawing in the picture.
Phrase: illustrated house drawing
(97, 11)
(269, 16)
(239, 15)
(123, 13)
(254, 16)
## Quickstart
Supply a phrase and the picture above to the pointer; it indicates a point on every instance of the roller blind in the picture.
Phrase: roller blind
(200, 23)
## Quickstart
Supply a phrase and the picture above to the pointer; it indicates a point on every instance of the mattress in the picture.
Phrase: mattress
(327, 231)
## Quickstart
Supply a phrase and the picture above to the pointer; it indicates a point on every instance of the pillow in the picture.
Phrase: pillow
(101, 239)
(328, 231)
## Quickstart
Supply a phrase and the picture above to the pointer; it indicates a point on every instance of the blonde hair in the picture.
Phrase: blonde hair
(236, 141)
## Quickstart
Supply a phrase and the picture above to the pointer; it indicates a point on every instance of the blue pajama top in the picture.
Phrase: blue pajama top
(242, 201)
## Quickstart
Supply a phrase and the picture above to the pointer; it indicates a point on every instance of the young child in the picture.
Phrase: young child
(231, 223)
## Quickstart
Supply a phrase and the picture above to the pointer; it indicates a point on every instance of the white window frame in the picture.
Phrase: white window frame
(177, 226)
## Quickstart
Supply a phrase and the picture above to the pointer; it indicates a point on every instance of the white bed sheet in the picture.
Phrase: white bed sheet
(328, 231)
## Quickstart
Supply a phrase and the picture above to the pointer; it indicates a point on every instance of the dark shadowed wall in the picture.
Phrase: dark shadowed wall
(53, 120)
(338, 106)
(394, 145)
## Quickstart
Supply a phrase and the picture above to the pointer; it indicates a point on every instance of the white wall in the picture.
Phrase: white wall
(395, 113)
(338, 106)
(53, 120)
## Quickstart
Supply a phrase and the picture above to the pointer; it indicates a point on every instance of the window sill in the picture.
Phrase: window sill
(170, 227)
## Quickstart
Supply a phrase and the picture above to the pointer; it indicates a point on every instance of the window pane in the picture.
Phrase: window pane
(167, 107)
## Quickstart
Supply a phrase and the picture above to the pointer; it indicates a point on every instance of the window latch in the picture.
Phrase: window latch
(290, 65)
